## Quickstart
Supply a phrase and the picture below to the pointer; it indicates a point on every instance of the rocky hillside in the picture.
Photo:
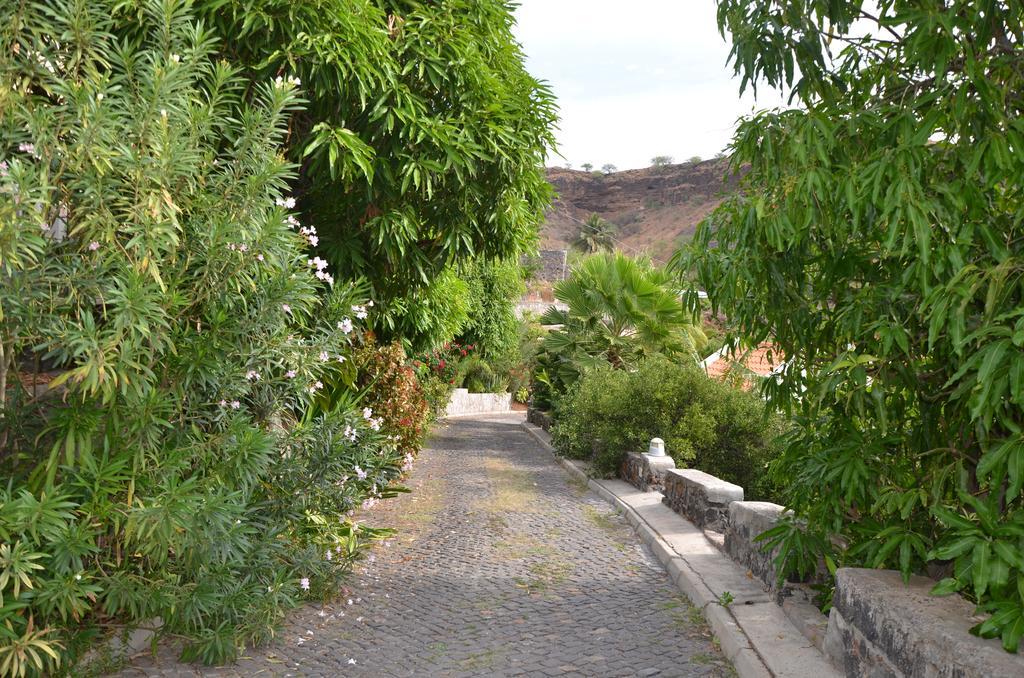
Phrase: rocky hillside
(653, 208)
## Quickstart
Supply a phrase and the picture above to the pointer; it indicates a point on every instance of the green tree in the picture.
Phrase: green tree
(619, 310)
(661, 160)
(587, 166)
(491, 325)
(595, 234)
(693, 159)
(878, 239)
(423, 140)
(609, 168)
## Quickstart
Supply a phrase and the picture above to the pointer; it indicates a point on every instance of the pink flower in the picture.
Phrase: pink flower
(304, 583)
(259, 257)
(361, 473)
(243, 248)
(324, 356)
(345, 325)
(252, 375)
(286, 308)
(290, 374)
(93, 246)
(223, 403)
(235, 404)
(367, 413)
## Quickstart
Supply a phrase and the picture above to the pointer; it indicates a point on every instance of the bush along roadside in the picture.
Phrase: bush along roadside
(171, 447)
(706, 425)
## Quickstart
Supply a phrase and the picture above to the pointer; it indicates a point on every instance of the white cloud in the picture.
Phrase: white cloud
(636, 79)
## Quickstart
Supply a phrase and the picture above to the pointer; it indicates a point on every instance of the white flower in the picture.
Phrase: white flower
(360, 472)
(367, 413)
(350, 434)
(287, 203)
(27, 148)
(290, 374)
(291, 221)
(324, 356)
(243, 247)
(320, 264)
(314, 241)
(286, 308)
(252, 375)
(360, 311)
(163, 112)
(175, 58)
(99, 96)
(345, 325)
(328, 554)
(223, 403)
(351, 661)
(259, 257)
(375, 423)
(93, 246)
(235, 404)
(304, 583)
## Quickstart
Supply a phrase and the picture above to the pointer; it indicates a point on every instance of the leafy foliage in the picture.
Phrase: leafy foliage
(491, 324)
(164, 346)
(705, 424)
(423, 141)
(878, 241)
(619, 311)
(395, 398)
(595, 235)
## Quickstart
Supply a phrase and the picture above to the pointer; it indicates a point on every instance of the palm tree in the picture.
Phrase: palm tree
(595, 235)
(620, 310)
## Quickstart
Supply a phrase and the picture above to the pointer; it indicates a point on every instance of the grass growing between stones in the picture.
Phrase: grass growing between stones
(602, 519)
(514, 491)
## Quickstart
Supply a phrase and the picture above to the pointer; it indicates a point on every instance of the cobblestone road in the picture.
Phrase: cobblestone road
(501, 567)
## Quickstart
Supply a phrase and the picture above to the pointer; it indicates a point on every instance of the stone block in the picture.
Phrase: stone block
(645, 472)
(700, 498)
(465, 403)
(880, 626)
(539, 418)
(747, 520)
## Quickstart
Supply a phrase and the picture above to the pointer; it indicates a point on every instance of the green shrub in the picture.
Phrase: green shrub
(181, 465)
(393, 395)
(705, 424)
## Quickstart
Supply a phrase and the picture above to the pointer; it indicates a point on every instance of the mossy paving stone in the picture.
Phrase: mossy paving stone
(500, 567)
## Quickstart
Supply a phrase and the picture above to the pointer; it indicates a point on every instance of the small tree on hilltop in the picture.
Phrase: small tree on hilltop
(608, 168)
(661, 160)
(693, 159)
(587, 166)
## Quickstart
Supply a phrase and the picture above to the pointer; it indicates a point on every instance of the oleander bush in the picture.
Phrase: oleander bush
(705, 424)
(165, 345)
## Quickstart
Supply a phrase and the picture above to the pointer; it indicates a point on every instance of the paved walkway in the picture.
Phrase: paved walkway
(501, 567)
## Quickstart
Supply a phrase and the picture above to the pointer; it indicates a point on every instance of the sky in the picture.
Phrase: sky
(635, 79)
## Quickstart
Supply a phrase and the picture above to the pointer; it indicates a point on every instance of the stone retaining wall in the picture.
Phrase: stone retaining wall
(747, 520)
(644, 471)
(700, 497)
(878, 627)
(539, 418)
(463, 402)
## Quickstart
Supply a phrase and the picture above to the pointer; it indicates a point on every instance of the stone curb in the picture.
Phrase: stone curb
(754, 633)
